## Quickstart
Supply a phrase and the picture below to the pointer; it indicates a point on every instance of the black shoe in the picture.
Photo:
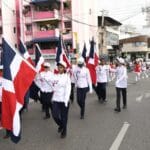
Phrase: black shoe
(59, 129)
(104, 100)
(63, 134)
(82, 117)
(46, 117)
(124, 107)
(117, 110)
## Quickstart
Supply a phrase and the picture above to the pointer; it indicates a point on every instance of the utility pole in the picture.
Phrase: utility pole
(102, 32)
(62, 18)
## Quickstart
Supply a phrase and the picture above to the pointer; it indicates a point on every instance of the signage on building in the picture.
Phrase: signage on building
(112, 38)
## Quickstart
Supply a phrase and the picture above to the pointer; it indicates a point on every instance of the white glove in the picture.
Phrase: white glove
(66, 104)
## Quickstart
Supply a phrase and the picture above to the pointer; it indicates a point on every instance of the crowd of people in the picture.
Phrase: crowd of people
(56, 91)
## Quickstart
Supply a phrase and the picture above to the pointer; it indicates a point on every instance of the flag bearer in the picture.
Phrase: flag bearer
(45, 85)
(83, 83)
(60, 99)
(102, 79)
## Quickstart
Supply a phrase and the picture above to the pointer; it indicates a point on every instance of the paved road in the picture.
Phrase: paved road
(102, 128)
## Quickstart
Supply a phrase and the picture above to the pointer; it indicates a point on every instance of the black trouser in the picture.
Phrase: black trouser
(60, 114)
(124, 96)
(46, 100)
(101, 91)
(95, 89)
(81, 96)
(72, 92)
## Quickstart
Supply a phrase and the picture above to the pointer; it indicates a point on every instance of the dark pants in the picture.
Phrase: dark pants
(101, 91)
(81, 96)
(124, 96)
(95, 89)
(60, 115)
(46, 100)
(72, 92)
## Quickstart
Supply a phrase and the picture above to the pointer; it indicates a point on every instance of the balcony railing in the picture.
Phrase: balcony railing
(42, 15)
(44, 51)
(46, 34)
(28, 32)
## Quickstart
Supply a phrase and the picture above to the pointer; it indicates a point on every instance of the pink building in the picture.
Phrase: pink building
(41, 21)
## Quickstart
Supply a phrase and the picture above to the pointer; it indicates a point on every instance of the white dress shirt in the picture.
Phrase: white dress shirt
(102, 73)
(62, 88)
(44, 81)
(83, 78)
(121, 77)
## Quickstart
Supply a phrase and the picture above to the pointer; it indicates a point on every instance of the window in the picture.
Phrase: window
(14, 29)
(138, 44)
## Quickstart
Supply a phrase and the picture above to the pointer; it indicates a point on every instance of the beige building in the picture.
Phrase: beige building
(108, 36)
(136, 47)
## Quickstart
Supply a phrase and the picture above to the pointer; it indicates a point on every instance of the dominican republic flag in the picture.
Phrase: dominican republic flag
(61, 55)
(23, 50)
(92, 61)
(84, 52)
(18, 75)
(39, 64)
(39, 59)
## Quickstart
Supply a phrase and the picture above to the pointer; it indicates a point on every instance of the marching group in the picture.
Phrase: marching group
(57, 90)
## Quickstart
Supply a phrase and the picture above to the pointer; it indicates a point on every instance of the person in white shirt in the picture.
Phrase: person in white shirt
(144, 69)
(83, 83)
(44, 82)
(102, 79)
(61, 97)
(121, 84)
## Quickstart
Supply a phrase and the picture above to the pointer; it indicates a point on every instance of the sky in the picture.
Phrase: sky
(125, 11)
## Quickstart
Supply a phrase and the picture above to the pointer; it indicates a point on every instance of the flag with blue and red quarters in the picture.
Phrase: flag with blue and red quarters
(92, 61)
(18, 75)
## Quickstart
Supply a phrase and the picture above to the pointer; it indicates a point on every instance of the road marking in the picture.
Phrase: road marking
(147, 95)
(116, 144)
(139, 98)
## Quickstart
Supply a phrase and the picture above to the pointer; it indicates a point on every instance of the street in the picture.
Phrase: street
(102, 128)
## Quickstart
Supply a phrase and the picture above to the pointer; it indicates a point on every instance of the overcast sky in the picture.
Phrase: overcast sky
(126, 11)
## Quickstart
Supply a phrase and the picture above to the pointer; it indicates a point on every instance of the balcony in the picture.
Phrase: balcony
(41, 1)
(28, 32)
(44, 51)
(46, 34)
(45, 15)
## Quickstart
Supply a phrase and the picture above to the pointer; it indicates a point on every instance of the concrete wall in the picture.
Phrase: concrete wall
(84, 12)
(9, 21)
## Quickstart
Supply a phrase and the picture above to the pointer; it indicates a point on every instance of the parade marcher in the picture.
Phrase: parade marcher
(61, 97)
(121, 84)
(137, 70)
(73, 66)
(102, 79)
(111, 74)
(45, 84)
(143, 69)
(83, 83)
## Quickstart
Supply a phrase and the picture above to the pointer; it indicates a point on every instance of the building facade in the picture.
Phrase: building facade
(108, 37)
(136, 47)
